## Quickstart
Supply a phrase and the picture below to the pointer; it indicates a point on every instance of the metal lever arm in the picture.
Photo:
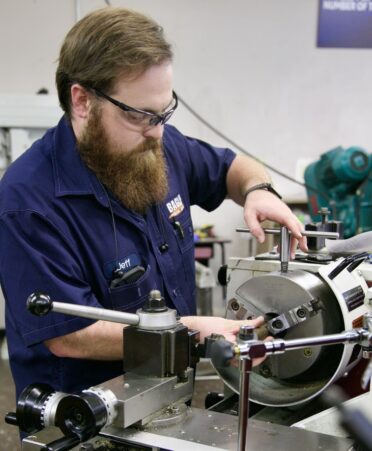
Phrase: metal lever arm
(310, 233)
(40, 304)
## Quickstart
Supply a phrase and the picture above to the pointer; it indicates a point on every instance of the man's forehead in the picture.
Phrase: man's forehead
(156, 81)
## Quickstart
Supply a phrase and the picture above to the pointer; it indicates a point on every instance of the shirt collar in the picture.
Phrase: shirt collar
(71, 175)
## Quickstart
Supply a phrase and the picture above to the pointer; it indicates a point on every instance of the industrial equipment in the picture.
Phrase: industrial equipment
(308, 300)
(320, 319)
(342, 181)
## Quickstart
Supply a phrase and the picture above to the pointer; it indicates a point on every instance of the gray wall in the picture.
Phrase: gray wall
(249, 67)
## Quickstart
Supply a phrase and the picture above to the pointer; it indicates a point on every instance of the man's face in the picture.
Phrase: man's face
(129, 159)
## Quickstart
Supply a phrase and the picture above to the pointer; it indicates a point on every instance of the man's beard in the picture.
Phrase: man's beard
(137, 177)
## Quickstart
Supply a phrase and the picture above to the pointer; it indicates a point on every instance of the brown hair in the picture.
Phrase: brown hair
(106, 44)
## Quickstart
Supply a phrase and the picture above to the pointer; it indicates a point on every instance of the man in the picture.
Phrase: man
(97, 212)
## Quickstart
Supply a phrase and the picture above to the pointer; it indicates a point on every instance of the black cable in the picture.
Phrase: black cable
(112, 220)
(234, 144)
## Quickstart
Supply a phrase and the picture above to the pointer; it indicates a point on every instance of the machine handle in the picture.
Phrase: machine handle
(11, 418)
(40, 304)
(309, 233)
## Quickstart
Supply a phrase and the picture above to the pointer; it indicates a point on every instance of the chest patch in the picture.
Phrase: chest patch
(175, 206)
(124, 264)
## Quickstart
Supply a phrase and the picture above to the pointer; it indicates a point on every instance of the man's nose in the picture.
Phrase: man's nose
(155, 132)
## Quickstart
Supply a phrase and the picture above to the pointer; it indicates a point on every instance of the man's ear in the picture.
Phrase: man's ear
(80, 101)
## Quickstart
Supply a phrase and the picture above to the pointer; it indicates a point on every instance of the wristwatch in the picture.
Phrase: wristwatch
(265, 186)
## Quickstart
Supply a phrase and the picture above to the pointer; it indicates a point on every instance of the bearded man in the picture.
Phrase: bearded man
(107, 194)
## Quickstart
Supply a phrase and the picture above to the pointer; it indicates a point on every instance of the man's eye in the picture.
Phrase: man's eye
(133, 116)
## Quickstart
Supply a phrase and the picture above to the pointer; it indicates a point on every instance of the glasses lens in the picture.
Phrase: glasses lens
(136, 118)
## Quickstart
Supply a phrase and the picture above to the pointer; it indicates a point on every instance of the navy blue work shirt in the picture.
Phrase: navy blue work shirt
(57, 235)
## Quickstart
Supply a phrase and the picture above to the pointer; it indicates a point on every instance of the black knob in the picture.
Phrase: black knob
(221, 353)
(222, 275)
(11, 418)
(30, 407)
(39, 304)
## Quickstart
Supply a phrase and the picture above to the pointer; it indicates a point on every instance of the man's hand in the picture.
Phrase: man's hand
(261, 205)
(229, 328)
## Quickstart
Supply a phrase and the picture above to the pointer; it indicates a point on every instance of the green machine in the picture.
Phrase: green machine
(342, 182)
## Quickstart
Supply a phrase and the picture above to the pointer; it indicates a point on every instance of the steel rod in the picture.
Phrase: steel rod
(279, 345)
(96, 313)
(245, 370)
(310, 233)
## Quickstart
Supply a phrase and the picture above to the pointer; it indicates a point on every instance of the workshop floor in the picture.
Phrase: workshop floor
(9, 438)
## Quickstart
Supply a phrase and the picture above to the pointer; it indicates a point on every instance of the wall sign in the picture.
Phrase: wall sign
(345, 23)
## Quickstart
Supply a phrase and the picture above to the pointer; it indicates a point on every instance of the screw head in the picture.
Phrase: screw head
(246, 332)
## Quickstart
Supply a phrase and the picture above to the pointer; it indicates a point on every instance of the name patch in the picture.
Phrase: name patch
(124, 264)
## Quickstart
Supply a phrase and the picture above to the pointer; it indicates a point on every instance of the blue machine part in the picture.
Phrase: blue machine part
(342, 181)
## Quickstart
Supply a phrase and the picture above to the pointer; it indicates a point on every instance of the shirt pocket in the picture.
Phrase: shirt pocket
(184, 231)
(130, 297)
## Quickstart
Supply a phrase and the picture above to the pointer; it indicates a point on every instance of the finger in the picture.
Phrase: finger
(293, 247)
(256, 322)
(255, 227)
(303, 244)
(295, 226)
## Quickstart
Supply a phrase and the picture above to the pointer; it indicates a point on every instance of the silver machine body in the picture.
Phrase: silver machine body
(258, 287)
(149, 405)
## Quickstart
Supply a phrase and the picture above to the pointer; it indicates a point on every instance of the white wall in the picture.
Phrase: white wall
(250, 67)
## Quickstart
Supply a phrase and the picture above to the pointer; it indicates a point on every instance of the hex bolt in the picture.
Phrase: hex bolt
(277, 324)
(235, 305)
(301, 313)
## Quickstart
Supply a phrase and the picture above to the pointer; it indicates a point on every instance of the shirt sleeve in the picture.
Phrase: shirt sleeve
(35, 256)
(204, 165)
